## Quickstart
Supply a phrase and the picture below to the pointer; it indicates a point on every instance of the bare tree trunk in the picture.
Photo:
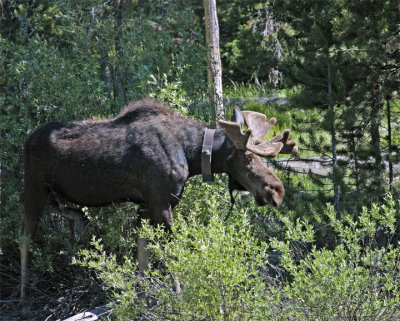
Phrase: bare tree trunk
(107, 80)
(377, 177)
(389, 138)
(2, 198)
(214, 57)
(334, 146)
(92, 21)
(118, 45)
(353, 150)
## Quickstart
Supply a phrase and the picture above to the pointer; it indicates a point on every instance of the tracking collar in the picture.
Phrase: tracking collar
(206, 153)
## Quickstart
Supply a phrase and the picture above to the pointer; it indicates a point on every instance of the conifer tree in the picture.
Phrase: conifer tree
(340, 60)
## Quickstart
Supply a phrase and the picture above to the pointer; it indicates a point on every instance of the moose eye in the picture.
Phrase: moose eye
(273, 187)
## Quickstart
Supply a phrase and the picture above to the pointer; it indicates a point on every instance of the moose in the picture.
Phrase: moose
(143, 155)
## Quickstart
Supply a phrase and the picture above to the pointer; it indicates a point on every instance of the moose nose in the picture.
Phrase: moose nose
(275, 200)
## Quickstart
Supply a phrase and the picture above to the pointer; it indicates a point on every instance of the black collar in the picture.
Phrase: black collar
(206, 153)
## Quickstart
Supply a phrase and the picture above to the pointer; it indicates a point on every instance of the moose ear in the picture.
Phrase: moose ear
(237, 116)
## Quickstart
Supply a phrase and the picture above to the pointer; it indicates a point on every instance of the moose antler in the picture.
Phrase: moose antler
(253, 139)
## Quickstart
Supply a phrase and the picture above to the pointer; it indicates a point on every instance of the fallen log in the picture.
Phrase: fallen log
(321, 166)
(239, 101)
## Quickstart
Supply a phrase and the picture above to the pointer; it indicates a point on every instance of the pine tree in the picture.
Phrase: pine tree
(339, 60)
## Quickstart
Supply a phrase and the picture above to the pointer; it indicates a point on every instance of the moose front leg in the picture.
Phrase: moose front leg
(158, 215)
(161, 215)
(142, 255)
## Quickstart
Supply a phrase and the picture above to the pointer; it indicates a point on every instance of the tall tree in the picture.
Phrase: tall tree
(214, 71)
(310, 66)
(340, 60)
(118, 89)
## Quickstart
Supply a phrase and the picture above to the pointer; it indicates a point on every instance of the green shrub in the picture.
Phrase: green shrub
(224, 274)
(356, 280)
(215, 264)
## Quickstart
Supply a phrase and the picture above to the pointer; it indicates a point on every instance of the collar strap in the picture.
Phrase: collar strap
(206, 153)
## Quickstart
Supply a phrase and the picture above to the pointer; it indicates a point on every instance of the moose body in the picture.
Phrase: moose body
(143, 155)
(139, 156)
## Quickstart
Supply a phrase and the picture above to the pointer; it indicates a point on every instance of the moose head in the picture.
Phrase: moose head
(248, 171)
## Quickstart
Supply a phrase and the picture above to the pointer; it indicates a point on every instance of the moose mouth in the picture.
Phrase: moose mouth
(266, 199)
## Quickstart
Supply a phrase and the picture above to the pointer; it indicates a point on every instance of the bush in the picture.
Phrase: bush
(223, 273)
(356, 280)
(215, 264)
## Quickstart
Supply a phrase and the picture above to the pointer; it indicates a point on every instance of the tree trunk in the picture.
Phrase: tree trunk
(353, 150)
(334, 146)
(118, 53)
(213, 57)
(107, 80)
(389, 139)
(2, 198)
(377, 177)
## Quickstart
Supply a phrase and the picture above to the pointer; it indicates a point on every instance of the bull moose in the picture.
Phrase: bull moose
(144, 155)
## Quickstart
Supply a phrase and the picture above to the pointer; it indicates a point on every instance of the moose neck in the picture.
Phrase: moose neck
(219, 155)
